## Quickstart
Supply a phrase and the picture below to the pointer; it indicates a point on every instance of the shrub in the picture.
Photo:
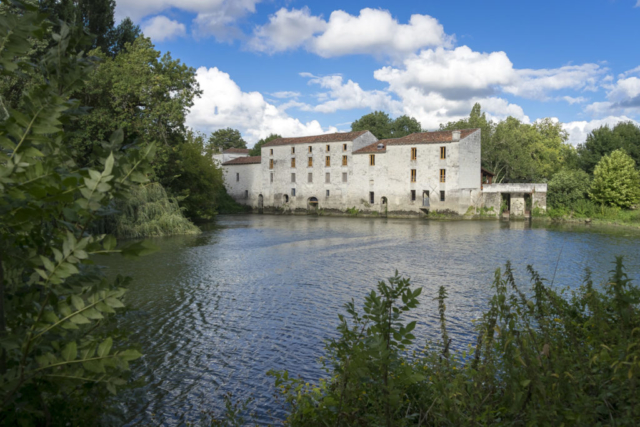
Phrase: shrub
(616, 181)
(541, 358)
(567, 187)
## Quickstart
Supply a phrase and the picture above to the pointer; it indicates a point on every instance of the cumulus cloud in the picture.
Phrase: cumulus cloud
(579, 130)
(213, 17)
(623, 97)
(160, 28)
(536, 84)
(287, 29)
(223, 104)
(373, 32)
(571, 100)
(348, 96)
(285, 94)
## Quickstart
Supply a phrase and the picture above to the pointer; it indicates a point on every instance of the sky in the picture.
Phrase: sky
(305, 67)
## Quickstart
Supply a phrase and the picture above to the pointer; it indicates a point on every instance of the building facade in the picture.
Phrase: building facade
(422, 172)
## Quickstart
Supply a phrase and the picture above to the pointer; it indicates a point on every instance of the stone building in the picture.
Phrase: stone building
(230, 154)
(413, 175)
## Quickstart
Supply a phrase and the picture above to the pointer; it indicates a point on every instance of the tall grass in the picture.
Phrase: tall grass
(148, 212)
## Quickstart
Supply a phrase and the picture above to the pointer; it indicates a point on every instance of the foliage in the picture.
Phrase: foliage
(256, 150)
(382, 126)
(616, 181)
(541, 358)
(147, 211)
(124, 34)
(223, 139)
(353, 211)
(567, 187)
(55, 304)
(605, 140)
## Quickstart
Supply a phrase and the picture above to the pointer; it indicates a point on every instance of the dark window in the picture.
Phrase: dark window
(293, 192)
(293, 150)
(327, 193)
(293, 177)
(371, 198)
(413, 195)
(271, 176)
(344, 177)
(327, 178)
(310, 177)
(344, 147)
(237, 177)
(442, 196)
(246, 194)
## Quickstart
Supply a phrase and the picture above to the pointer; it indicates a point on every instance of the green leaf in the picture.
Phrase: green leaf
(77, 302)
(525, 383)
(109, 242)
(70, 351)
(47, 263)
(108, 165)
(129, 355)
(79, 319)
(105, 347)
(94, 366)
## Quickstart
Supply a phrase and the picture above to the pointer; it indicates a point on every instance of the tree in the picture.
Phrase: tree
(567, 187)
(125, 33)
(604, 140)
(222, 139)
(403, 126)
(256, 150)
(378, 123)
(57, 349)
(616, 181)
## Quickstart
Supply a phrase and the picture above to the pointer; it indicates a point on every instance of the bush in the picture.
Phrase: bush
(567, 187)
(541, 358)
(616, 182)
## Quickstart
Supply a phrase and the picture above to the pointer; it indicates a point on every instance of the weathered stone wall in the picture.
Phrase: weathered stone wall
(239, 179)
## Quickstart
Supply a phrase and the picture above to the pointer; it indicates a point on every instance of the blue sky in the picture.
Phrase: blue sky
(306, 67)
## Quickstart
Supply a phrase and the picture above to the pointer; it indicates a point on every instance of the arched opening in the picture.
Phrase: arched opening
(312, 203)
(286, 198)
(425, 198)
(260, 201)
(383, 201)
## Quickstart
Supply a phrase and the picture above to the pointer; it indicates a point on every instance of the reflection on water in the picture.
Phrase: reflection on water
(215, 312)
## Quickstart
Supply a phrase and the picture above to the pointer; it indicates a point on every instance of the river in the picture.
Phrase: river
(214, 312)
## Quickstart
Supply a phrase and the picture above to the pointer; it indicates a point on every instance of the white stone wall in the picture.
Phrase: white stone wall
(239, 179)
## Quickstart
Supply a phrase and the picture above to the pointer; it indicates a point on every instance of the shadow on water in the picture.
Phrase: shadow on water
(214, 312)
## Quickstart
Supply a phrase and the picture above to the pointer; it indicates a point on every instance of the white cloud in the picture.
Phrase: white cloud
(223, 104)
(571, 100)
(285, 94)
(287, 30)
(637, 4)
(373, 32)
(349, 95)
(579, 130)
(623, 98)
(629, 72)
(160, 28)
(213, 17)
(536, 84)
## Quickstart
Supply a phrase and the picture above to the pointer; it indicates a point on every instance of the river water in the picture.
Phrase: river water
(214, 312)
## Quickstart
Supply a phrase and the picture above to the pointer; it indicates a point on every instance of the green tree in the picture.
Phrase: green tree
(255, 151)
(222, 139)
(404, 125)
(477, 119)
(57, 353)
(378, 123)
(605, 140)
(616, 181)
(567, 187)
(125, 33)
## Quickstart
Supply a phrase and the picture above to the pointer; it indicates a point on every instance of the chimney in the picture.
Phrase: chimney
(455, 136)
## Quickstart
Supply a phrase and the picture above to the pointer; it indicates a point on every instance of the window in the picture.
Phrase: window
(344, 177)
(443, 175)
(442, 196)
(293, 177)
(327, 178)
(271, 176)
(270, 163)
(327, 193)
(310, 161)
(371, 198)
(413, 195)
(344, 160)
(237, 177)
(414, 153)
(372, 159)
(310, 149)
(293, 150)
(246, 194)
(271, 152)
(293, 192)
(344, 147)
(443, 152)
(293, 163)
(310, 177)
(327, 161)
(413, 175)
(328, 147)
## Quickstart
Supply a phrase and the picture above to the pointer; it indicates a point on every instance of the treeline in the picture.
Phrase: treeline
(131, 86)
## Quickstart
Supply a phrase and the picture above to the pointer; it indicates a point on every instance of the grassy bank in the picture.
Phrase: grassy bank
(587, 211)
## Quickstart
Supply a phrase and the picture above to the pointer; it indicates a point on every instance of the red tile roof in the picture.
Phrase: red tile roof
(328, 137)
(251, 160)
(373, 148)
(236, 151)
(437, 137)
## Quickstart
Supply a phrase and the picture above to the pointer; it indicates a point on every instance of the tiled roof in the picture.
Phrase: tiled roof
(236, 151)
(329, 137)
(436, 137)
(373, 148)
(251, 160)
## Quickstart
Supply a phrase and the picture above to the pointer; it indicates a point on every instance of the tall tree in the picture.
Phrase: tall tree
(222, 139)
(605, 140)
(477, 119)
(378, 123)
(256, 150)
(125, 32)
(404, 125)
(616, 181)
